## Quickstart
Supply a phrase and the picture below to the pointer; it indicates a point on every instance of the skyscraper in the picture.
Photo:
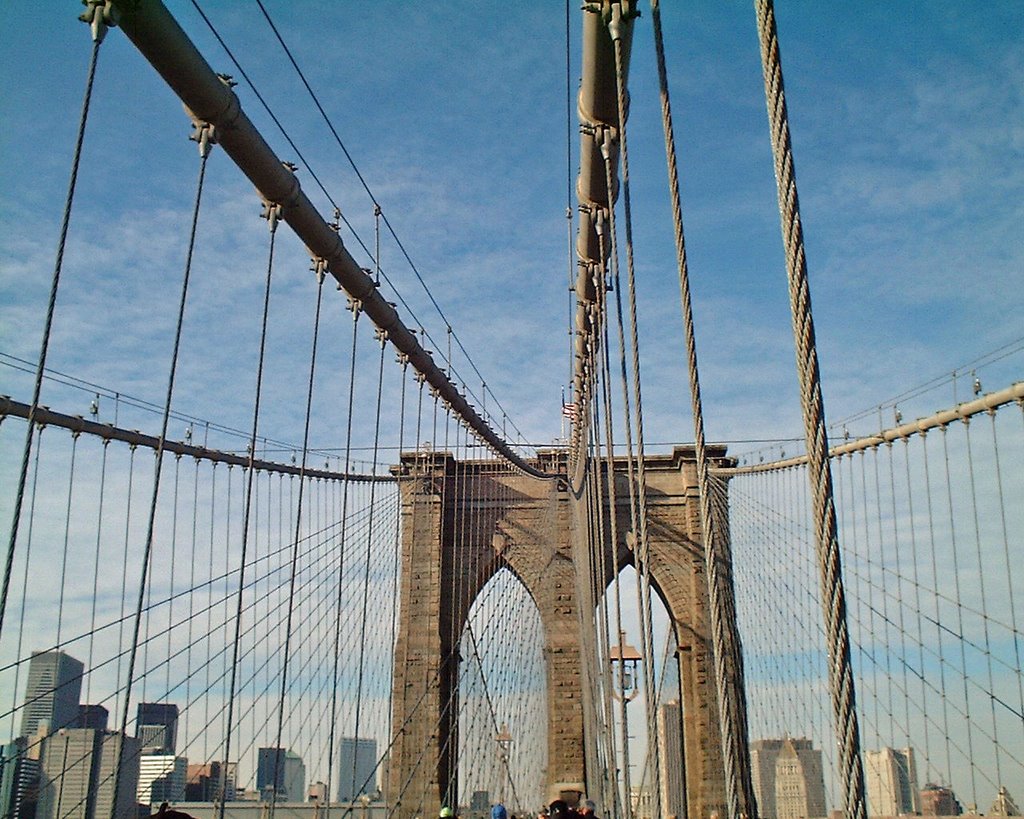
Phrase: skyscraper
(19, 778)
(294, 777)
(670, 742)
(357, 764)
(67, 780)
(157, 727)
(92, 716)
(78, 777)
(270, 769)
(51, 696)
(799, 781)
(891, 781)
(788, 779)
(290, 780)
(763, 755)
(161, 778)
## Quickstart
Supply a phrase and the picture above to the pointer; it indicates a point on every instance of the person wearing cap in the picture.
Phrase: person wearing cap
(446, 813)
(587, 809)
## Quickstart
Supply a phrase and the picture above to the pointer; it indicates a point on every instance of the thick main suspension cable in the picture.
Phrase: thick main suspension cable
(157, 35)
(819, 471)
(728, 655)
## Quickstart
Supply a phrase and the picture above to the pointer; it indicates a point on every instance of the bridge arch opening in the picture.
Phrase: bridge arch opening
(502, 700)
(663, 666)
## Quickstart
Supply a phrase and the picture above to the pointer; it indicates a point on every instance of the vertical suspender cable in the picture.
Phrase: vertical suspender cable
(150, 526)
(728, 664)
(98, 21)
(819, 471)
(341, 559)
(382, 337)
(320, 273)
(273, 214)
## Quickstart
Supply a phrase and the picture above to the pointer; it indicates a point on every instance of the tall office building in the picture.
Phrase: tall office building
(67, 781)
(763, 755)
(78, 775)
(357, 767)
(670, 743)
(270, 771)
(161, 779)
(891, 782)
(294, 777)
(290, 781)
(19, 778)
(92, 716)
(156, 726)
(124, 803)
(788, 778)
(51, 696)
(799, 781)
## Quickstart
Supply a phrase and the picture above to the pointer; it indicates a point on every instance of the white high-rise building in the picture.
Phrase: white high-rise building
(890, 776)
(161, 778)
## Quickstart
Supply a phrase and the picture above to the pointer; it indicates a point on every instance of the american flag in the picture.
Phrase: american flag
(569, 410)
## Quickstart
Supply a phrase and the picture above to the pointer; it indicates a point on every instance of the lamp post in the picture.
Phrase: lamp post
(504, 740)
(625, 660)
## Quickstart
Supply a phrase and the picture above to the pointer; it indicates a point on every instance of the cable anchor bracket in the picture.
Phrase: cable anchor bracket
(205, 134)
(271, 211)
(100, 15)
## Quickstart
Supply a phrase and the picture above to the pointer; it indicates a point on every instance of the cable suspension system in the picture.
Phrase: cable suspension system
(819, 473)
(208, 99)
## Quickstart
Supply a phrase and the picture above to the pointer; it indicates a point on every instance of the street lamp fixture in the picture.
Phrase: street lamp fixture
(504, 740)
(625, 660)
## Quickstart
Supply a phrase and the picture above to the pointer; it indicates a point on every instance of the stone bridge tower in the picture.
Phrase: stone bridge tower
(464, 521)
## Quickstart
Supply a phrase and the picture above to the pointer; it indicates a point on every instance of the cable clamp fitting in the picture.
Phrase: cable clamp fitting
(100, 15)
(205, 135)
(272, 213)
(354, 306)
(319, 267)
(381, 335)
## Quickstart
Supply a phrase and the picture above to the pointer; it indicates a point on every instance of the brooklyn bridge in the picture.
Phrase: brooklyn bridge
(375, 440)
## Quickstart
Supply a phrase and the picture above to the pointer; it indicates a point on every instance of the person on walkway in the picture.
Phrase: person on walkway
(499, 812)
(559, 810)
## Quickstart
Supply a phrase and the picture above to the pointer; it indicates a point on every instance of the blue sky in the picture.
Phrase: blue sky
(908, 128)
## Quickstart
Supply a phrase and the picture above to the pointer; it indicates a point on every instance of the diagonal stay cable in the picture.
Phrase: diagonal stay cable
(98, 31)
(369, 193)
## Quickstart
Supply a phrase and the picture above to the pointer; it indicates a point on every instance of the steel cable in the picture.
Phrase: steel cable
(50, 309)
(833, 593)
